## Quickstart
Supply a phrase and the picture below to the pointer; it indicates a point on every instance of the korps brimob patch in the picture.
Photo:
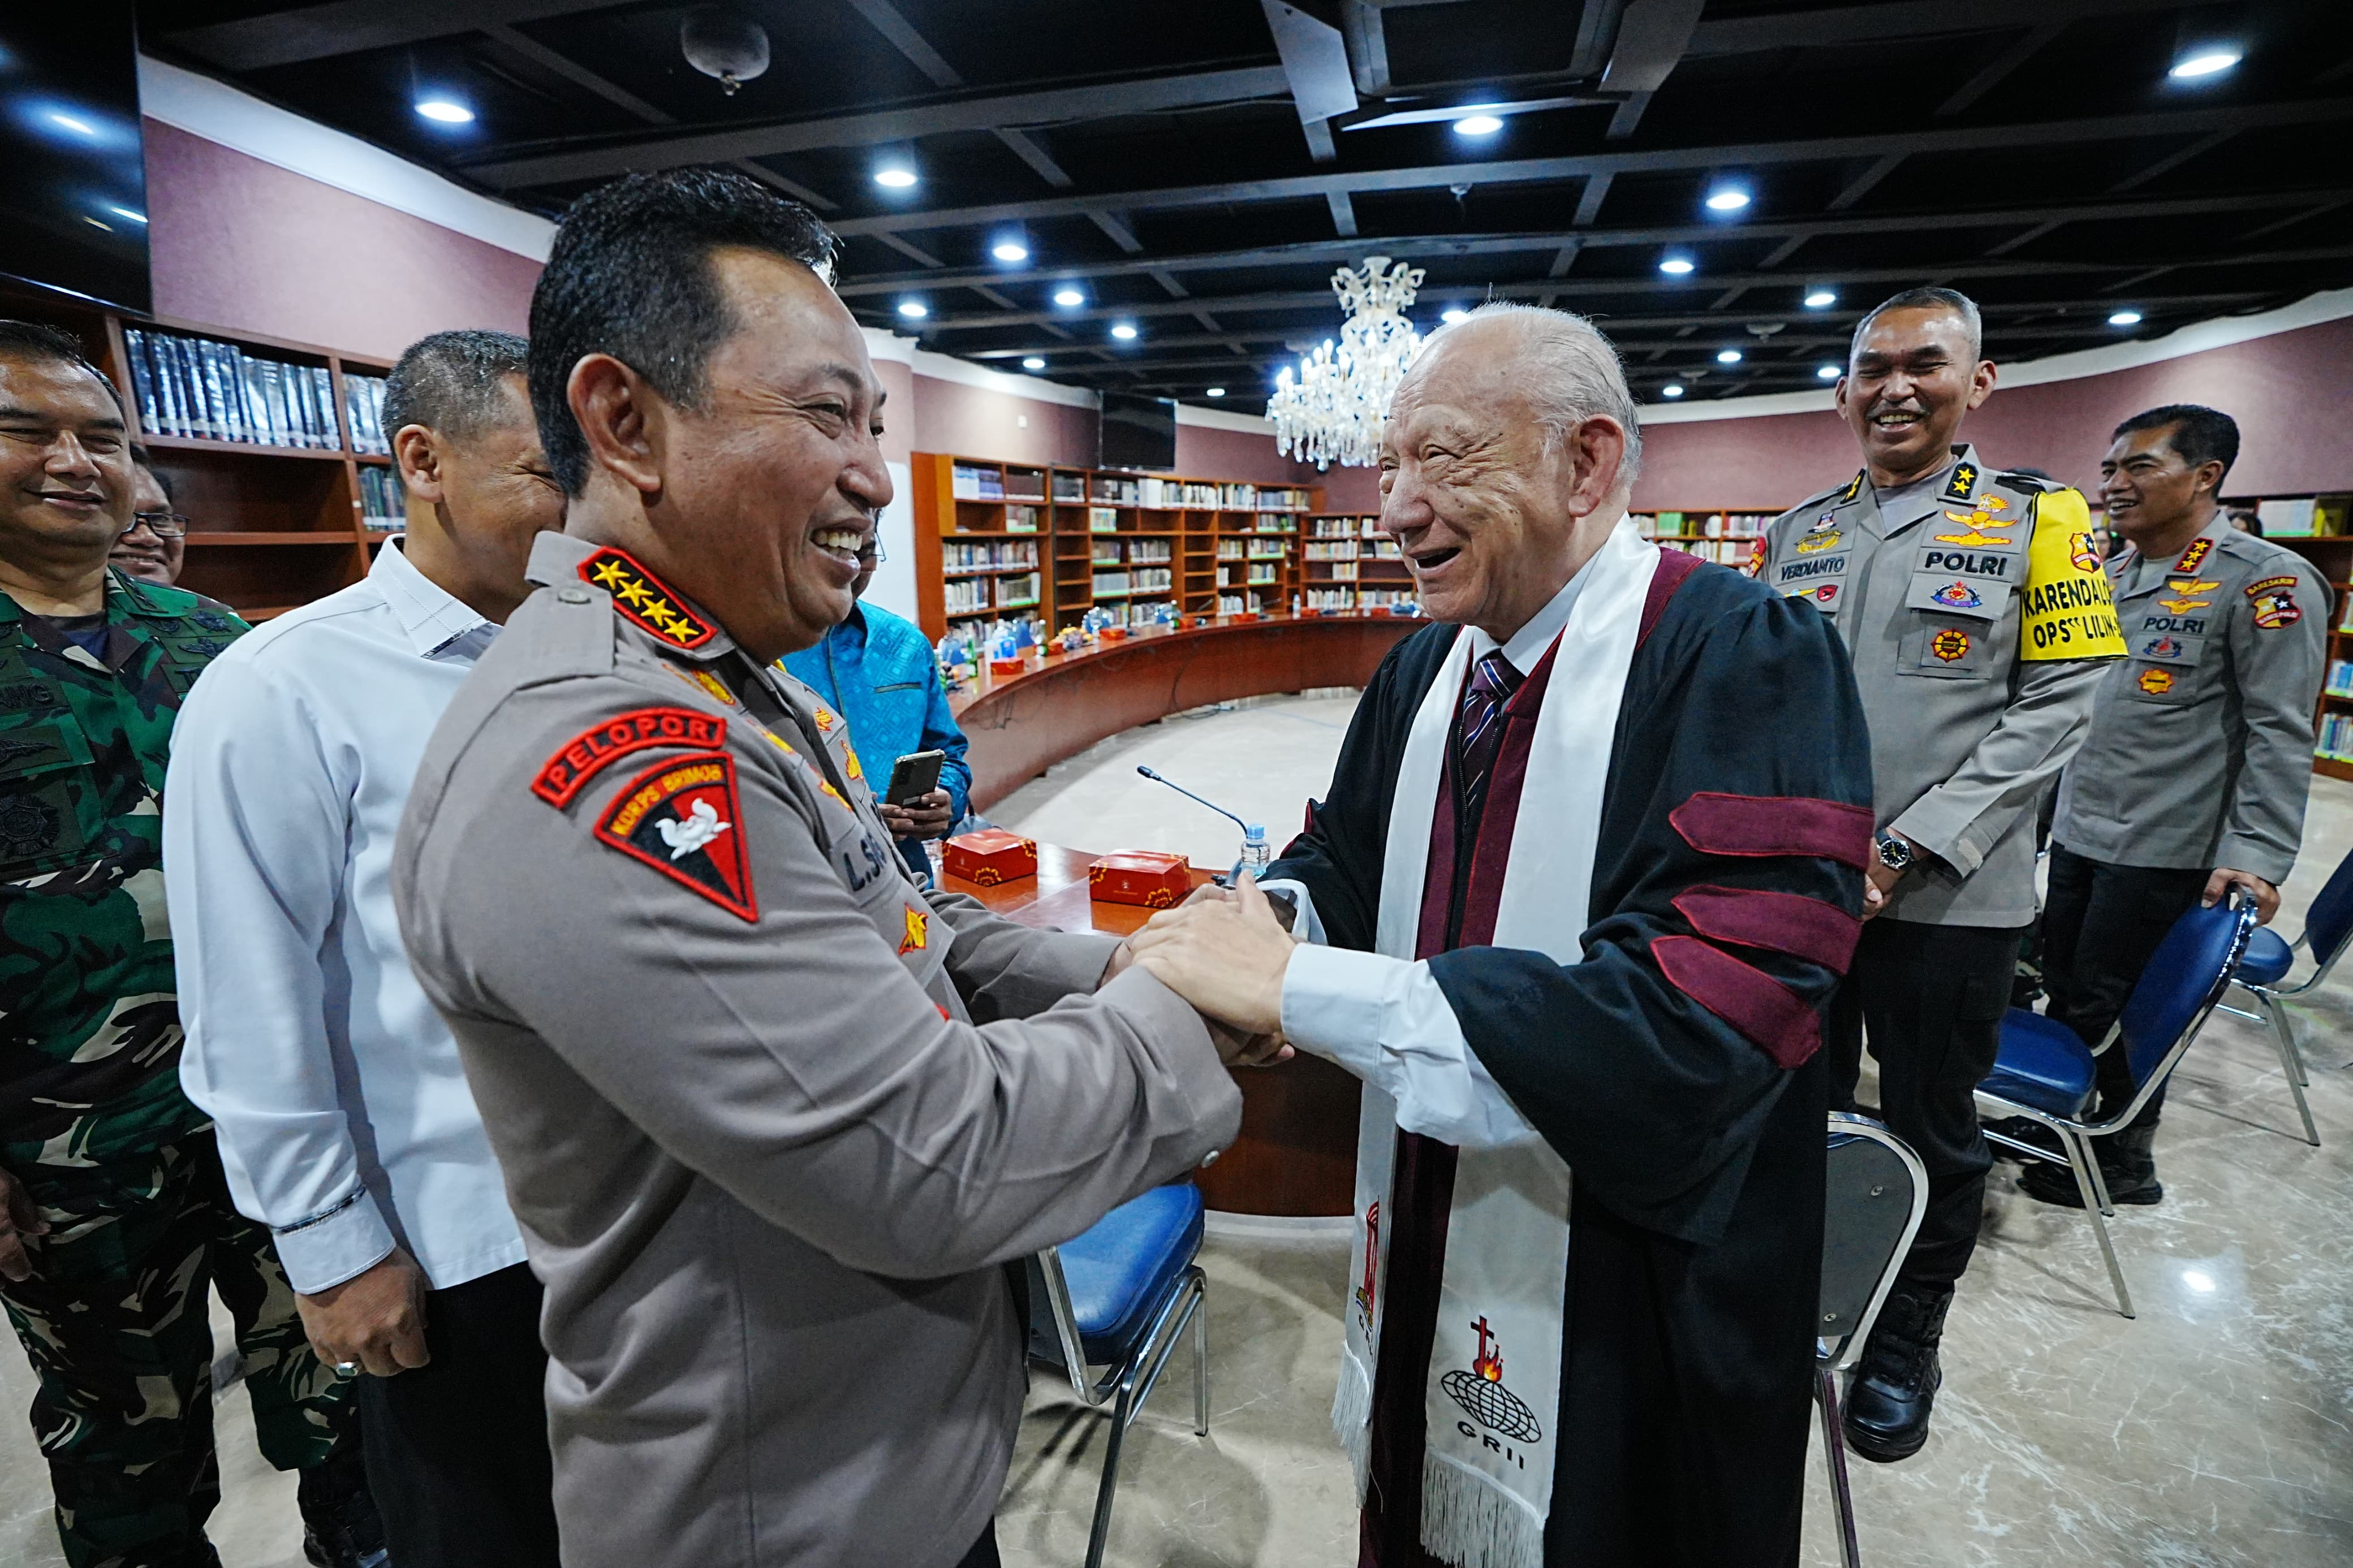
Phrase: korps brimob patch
(684, 819)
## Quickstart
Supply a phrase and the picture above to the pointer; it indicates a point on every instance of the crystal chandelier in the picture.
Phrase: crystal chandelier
(1333, 413)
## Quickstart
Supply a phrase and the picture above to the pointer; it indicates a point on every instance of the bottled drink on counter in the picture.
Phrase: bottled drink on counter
(1256, 855)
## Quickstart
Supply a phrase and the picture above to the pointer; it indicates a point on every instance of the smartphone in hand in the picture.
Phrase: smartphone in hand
(914, 776)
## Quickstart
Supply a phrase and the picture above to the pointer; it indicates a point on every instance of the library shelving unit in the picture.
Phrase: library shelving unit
(1725, 535)
(2328, 546)
(270, 527)
(996, 539)
(1350, 565)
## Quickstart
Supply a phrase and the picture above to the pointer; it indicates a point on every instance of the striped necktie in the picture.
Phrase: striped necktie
(1481, 725)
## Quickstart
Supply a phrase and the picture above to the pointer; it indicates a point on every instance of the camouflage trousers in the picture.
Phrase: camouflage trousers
(116, 1321)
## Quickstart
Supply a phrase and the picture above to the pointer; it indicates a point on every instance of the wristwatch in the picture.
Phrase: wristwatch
(1895, 853)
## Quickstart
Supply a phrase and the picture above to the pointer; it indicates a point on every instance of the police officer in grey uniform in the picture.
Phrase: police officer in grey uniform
(772, 1118)
(2194, 778)
(1972, 603)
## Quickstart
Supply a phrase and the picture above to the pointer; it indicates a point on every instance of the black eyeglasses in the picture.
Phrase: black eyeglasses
(162, 524)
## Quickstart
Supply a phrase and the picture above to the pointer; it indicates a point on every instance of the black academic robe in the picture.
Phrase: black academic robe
(1740, 785)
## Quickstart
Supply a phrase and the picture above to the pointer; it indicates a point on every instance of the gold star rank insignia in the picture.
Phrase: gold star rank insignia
(918, 932)
(1965, 478)
(643, 600)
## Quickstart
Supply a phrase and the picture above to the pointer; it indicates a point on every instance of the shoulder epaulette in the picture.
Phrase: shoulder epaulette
(156, 599)
(2027, 482)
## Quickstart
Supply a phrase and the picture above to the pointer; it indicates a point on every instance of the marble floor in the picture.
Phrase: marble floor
(2216, 1429)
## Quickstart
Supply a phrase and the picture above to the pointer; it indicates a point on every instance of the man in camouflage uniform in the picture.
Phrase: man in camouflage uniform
(115, 1218)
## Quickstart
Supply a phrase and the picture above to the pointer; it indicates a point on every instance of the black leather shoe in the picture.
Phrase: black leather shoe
(1896, 1383)
(2127, 1165)
(339, 1527)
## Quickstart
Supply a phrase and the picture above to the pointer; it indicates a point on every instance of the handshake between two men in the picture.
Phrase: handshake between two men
(1224, 950)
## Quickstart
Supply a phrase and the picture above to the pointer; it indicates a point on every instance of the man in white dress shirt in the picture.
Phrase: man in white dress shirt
(344, 1119)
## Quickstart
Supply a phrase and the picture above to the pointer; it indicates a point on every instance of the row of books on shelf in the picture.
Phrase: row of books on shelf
(2309, 517)
(216, 392)
(1118, 585)
(1020, 519)
(1357, 526)
(975, 481)
(2340, 678)
(1702, 524)
(1135, 549)
(966, 595)
(1722, 551)
(1351, 549)
(1241, 603)
(383, 499)
(1232, 577)
(1360, 598)
(1339, 572)
(2336, 741)
(994, 557)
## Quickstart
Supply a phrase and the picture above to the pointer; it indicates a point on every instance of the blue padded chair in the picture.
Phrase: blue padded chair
(2044, 1072)
(2328, 932)
(1119, 1297)
(1875, 1194)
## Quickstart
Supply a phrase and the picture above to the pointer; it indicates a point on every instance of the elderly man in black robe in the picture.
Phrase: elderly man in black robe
(1590, 870)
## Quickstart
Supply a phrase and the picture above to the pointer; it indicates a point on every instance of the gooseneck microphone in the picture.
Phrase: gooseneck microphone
(1188, 794)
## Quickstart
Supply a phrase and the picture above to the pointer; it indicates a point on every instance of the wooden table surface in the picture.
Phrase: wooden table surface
(1297, 1151)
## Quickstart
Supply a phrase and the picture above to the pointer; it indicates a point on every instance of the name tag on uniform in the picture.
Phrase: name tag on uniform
(1811, 571)
(2182, 626)
(1955, 561)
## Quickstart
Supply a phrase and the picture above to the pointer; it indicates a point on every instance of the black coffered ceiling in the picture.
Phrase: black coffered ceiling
(1157, 157)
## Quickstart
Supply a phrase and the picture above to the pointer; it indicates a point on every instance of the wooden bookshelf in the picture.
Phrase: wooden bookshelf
(269, 528)
(1095, 539)
(2330, 552)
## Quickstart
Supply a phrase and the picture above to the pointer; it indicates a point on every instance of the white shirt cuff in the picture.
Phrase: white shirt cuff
(341, 1244)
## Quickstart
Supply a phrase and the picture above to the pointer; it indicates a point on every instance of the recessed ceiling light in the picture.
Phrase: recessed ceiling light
(913, 307)
(1727, 199)
(1477, 125)
(1827, 372)
(127, 213)
(446, 111)
(2124, 319)
(1011, 250)
(1821, 299)
(2204, 62)
(1452, 313)
(1676, 265)
(1673, 389)
(1033, 363)
(1123, 332)
(1215, 392)
(1069, 297)
(897, 177)
(79, 127)
(1728, 356)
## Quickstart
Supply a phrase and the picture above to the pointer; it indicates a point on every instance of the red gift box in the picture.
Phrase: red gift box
(991, 857)
(1146, 876)
(1008, 666)
(1114, 634)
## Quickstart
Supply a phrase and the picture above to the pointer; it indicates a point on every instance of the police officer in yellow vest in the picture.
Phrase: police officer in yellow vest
(2194, 777)
(1973, 605)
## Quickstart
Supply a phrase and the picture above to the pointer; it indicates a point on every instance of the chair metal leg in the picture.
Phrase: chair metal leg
(2087, 1172)
(1099, 1536)
(1201, 1368)
(1826, 1400)
(2291, 1062)
(2099, 1177)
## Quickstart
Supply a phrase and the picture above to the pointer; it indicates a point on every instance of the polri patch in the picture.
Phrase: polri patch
(683, 818)
(643, 600)
(2274, 602)
(562, 777)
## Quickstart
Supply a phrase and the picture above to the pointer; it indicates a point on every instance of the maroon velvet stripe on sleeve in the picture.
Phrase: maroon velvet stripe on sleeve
(1765, 1011)
(1714, 823)
(1780, 922)
(1482, 897)
(1675, 567)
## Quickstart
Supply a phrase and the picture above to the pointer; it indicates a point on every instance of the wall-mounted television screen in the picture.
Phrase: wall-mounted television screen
(1137, 432)
(73, 201)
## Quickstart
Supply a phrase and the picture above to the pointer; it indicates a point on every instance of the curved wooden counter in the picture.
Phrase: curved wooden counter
(1021, 725)
(1297, 1151)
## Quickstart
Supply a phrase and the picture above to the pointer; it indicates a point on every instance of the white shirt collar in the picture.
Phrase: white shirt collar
(1527, 645)
(430, 613)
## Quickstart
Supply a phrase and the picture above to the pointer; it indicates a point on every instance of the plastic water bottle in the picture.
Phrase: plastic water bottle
(1256, 856)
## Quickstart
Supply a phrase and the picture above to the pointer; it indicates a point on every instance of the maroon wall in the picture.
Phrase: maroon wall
(2288, 392)
(248, 247)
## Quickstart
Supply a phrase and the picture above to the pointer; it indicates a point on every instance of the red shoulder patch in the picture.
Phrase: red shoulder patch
(562, 776)
(684, 819)
(643, 600)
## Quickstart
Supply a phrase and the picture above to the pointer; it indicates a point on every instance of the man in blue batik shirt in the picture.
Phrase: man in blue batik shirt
(879, 672)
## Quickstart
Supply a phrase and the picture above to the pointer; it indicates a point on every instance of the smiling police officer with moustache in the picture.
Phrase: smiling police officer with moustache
(1973, 605)
(2194, 777)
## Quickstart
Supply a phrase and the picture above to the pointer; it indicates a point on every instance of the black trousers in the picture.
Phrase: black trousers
(456, 1449)
(2101, 924)
(1931, 997)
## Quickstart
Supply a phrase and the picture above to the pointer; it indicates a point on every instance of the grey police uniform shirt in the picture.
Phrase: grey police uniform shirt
(2200, 750)
(769, 1114)
(1931, 598)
